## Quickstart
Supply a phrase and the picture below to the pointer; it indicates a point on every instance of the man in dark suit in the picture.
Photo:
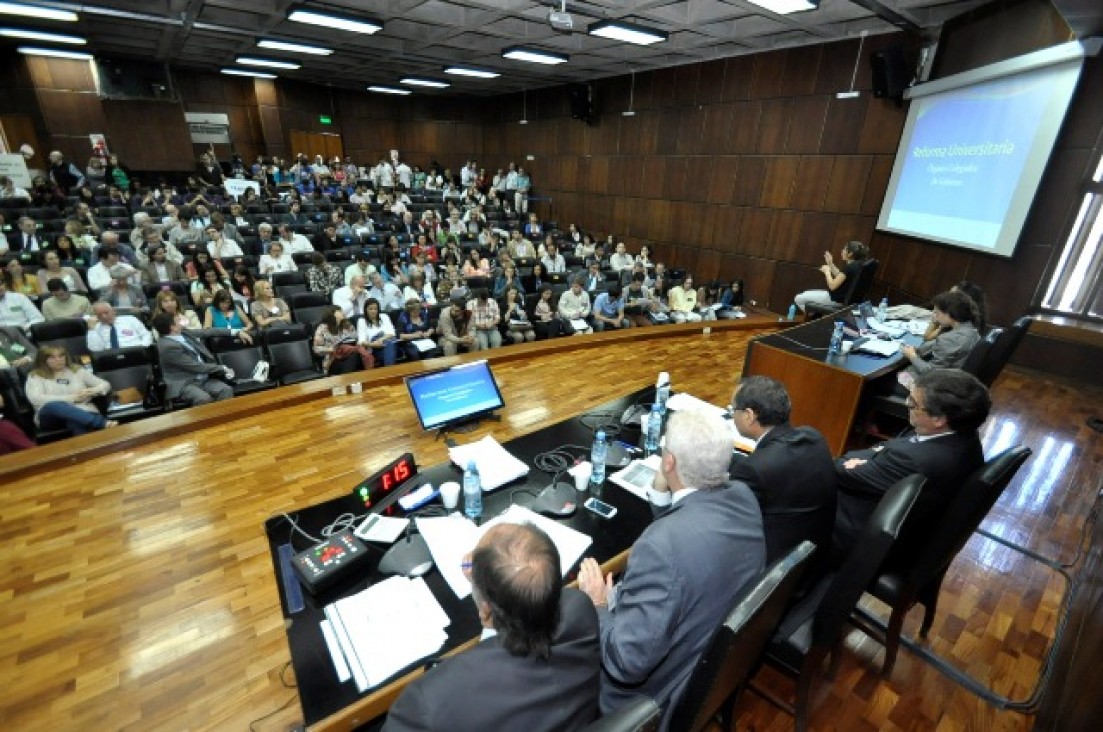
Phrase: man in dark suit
(187, 366)
(27, 237)
(791, 471)
(685, 570)
(540, 669)
(946, 408)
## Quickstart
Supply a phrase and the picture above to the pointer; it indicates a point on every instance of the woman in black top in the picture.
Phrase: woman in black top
(854, 254)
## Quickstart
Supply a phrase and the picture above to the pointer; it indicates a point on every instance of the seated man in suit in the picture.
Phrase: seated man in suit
(946, 408)
(187, 366)
(685, 570)
(537, 666)
(790, 472)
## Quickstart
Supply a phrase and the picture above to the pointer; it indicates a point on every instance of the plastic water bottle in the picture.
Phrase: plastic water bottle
(836, 346)
(597, 459)
(654, 429)
(472, 492)
(662, 391)
(792, 311)
(883, 310)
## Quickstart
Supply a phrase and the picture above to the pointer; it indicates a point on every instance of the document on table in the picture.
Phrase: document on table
(424, 344)
(880, 348)
(495, 463)
(452, 537)
(387, 627)
(637, 476)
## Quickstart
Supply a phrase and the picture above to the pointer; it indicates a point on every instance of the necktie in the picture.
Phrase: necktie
(114, 337)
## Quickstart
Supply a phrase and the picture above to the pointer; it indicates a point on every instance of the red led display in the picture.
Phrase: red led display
(379, 485)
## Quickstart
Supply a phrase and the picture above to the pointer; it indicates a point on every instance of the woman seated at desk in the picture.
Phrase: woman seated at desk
(854, 253)
(956, 315)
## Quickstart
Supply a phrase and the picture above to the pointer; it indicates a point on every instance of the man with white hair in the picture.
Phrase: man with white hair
(65, 176)
(685, 570)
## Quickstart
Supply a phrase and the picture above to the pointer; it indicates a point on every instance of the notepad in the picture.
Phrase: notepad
(880, 348)
(495, 464)
(424, 344)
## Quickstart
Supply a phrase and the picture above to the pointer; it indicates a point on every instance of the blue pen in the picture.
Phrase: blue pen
(626, 446)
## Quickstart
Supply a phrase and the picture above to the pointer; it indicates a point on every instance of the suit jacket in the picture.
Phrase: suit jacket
(683, 576)
(946, 462)
(174, 271)
(15, 241)
(180, 367)
(792, 474)
(486, 688)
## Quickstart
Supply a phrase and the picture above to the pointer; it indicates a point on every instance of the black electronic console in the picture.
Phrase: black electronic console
(324, 563)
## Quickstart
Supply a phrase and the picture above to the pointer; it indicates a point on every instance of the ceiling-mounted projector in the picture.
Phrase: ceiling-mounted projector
(560, 19)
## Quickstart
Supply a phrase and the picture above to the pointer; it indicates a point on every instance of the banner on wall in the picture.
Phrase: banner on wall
(14, 165)
(208, 128)
(236, 187)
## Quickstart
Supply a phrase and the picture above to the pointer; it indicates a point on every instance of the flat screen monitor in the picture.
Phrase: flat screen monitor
(457, 394)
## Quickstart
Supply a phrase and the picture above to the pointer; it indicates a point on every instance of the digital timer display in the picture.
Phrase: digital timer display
(379, 485)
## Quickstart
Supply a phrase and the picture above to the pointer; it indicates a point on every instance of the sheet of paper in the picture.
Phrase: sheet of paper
(579, 324)
(571, 544)
(425, 344)
(496, 465)
(880, 348)
(637, 476)
(682, 401)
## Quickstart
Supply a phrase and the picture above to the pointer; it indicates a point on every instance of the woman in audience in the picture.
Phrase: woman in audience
(708, 299)
(508, 278)
(535, 281)
(732, 297)
(413, 325)
(419, 290)
(62, 393)
(585, 248)
(202, 261)
(376, 331)
(19, 281)
(267, 309)
(335, 341)
(545, 321)
(475, 265)
(957, 316)
(208, 284)
(394, 271)
(94, 173)
(225, 313)
(854, 254)
(52, 269)
(276, 261)
(323, 276)
(80, 238)
(168, 301)
(243, 284)
(644, 257)
(515, 319)
(12, 438)
(975, 293)
(67, 253)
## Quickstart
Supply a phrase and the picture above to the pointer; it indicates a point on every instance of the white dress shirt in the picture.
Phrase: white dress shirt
(129, 329)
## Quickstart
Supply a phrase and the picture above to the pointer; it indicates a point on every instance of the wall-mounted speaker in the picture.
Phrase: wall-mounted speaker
(891, 72)
(583, 102)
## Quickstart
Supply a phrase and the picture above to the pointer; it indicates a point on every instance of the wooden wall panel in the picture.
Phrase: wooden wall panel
(807, 127)
(848, 181)
(773, 129)
(812, 179)
(777, 187)
(160, 142)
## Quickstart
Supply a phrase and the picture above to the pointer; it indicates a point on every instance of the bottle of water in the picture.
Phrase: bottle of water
(883, 310)
(836, 346)
(597, 458)
(792, 311)
(662, 391)
(654, 430)
(472, 492)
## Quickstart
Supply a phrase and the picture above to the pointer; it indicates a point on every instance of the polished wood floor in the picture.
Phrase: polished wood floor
(137, 591)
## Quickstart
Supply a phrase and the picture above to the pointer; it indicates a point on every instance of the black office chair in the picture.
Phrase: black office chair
(290, 355)
(813, 628)
(243, 359)
(288, 283)
(913, 573)
(1002, 349)
(129, 368)
(737, 644)
(69, 333)
(638, 715)
(854, 292)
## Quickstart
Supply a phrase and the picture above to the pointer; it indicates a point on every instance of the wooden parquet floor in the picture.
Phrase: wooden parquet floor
(137, 591)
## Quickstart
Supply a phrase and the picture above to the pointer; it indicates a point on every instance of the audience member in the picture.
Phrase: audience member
(853, 254)
(335, 340)
(188, 368)
(574, 308)
(62, 393)
(685, 571)
(116, 331)
(224, 312)
(12, 438)
(122, 292)
(512, 308)
(15, 350)
(957, 317)
(388, 294)
(362, 267)
(485, 319)
(323, 276)
(169, 302)
(609, 310)
(682, 299)
(267, 309)
(456, 331)
(546, 321)
(376, 331)
(537, 667)
(19, 281)
(160, 268)
(16, 309)
(414, 328)
(63, 304)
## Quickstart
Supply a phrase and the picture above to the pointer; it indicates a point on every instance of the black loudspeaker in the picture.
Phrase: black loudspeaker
(582, 100)
(891, 72)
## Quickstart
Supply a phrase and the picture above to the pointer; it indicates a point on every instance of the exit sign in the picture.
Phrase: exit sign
(325, 119)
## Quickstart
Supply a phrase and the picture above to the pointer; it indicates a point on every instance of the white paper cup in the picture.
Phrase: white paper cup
(338, 391)
(846, 346)
(581, 473)
(450, 494)
(356, 387)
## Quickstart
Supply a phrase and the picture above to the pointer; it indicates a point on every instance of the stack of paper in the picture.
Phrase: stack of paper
(880, 348)
(387, 627)
(682, 401)
(496, 466)
(452, 537)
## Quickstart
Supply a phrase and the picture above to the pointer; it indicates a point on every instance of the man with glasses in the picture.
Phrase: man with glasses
(946, 408)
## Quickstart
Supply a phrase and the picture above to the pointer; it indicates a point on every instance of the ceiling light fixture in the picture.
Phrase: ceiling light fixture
(627, 32)
(631, 97)
(268, 62)
(30, 11)
(335, 21)
(294, 47)
(852, 94)
(246, 72)
(55, 53)
(532, 55)
(421, 81)
(33, 35)
(474, 73)
(785, 7)
(388, 90)
(524, 107)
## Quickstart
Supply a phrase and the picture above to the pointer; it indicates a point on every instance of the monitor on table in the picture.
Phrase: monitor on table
(453, 395)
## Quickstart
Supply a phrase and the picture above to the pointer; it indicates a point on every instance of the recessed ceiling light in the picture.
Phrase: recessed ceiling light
(30, 11)
(784, 7)
(532, 55)
(388, 90)
(417, 81)
(627, 32)
(269, 62)
(246, 72)
(468, 71)
(335, 21)
(33, 35)
(294, 47)
(55, 52)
